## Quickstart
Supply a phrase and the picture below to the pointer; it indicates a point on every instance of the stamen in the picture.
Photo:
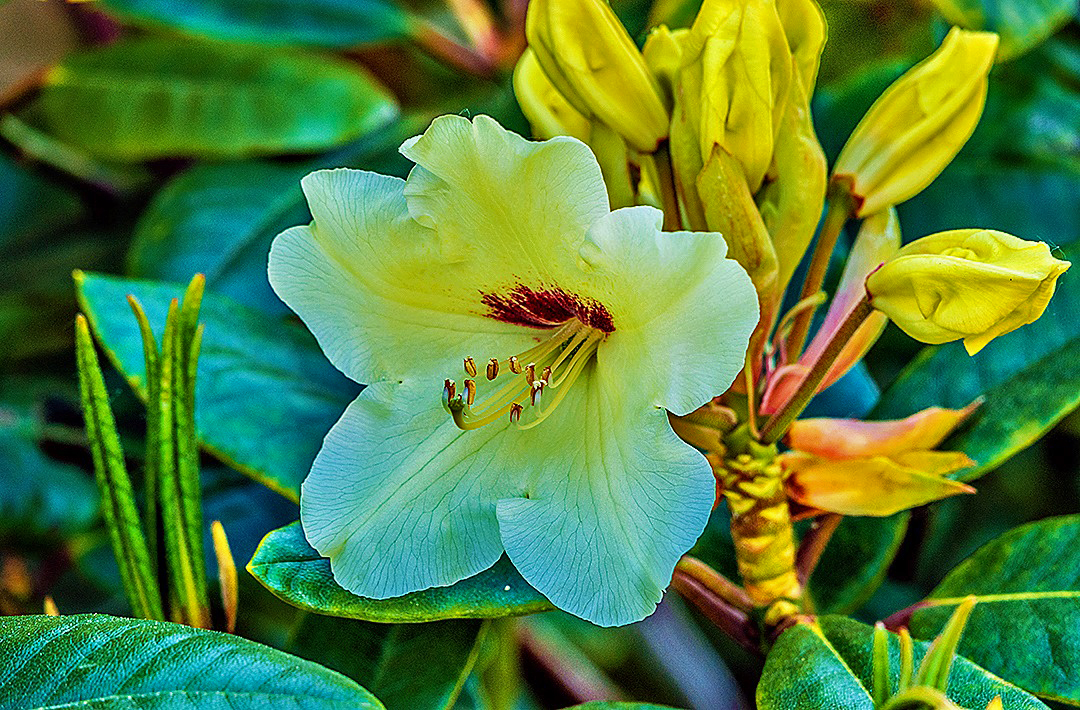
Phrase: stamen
(537, 390)
(470, 391)
(530, 373)
(470, 367)
(515, 412)
(492, 369)
(515, 366)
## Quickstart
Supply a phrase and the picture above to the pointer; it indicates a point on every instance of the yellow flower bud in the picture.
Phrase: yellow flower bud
(974, 284)
(592, 61)
(804, 26)
(735, 81)
(918, 125)
(548, 111)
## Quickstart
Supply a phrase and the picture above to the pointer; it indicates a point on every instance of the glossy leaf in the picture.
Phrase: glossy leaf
(1026, 624)
(292, 570)
(835, 670)
(99, 662)
(219, 218)
(155, 97)
(407, 666)
(1022, 24)
(1028, 377)
(324, 23)
(267, 395)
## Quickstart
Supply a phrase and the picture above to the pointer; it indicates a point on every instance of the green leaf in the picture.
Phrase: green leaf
(855, 561)
(293, 571)
(1022, 24)
(100, 662)
(37, 494)
(156, 97)
(118, 497)
(1032, 202)
(267, 394)
(602, 705)
(834, 662)
(219, 219)
(407, 666)
(1026, 625)
(1028, 377)
(33, 206)
(339, 24)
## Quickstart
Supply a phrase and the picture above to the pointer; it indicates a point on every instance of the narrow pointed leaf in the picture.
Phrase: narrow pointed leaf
(288, 566)
(100, 662)
(120, 510)
(272, 439)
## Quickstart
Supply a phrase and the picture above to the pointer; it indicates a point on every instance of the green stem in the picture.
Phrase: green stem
(780, 421)
(836, 217)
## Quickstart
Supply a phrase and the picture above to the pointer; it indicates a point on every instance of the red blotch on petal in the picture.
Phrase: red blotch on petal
(546, 308)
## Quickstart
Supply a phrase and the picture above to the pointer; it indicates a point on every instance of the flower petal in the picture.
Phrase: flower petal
(370, 284)
(400, 499)
(618, 499)
(683, 313)
(515, 210)
(871, 486)
(854, 438)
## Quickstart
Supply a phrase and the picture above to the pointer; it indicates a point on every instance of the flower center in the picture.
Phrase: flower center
(526, 379)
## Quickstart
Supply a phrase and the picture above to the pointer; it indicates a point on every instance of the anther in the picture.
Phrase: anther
(515, 366)
(530, 373)
(515, 412)
(492, 369)
(537, 390)
(449, 390)
(546, 377)
(470, 367)
(470, 391)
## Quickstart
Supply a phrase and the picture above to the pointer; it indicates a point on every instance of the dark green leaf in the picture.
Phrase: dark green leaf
(324, 23)
(267, 395)
(601, 705)
(1026, 625)
(1029, 378)
(830, 665)
(1022, 24)
(407, 666)
(100, 662)
(219, 219)
(292, 570)
(32, 204)
(38, 494)
(855, 562)
(156, 97)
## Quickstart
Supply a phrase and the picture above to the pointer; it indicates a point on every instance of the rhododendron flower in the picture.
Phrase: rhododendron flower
(522, 345)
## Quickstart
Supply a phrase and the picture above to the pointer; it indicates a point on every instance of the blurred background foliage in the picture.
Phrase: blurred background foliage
(156, 138)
